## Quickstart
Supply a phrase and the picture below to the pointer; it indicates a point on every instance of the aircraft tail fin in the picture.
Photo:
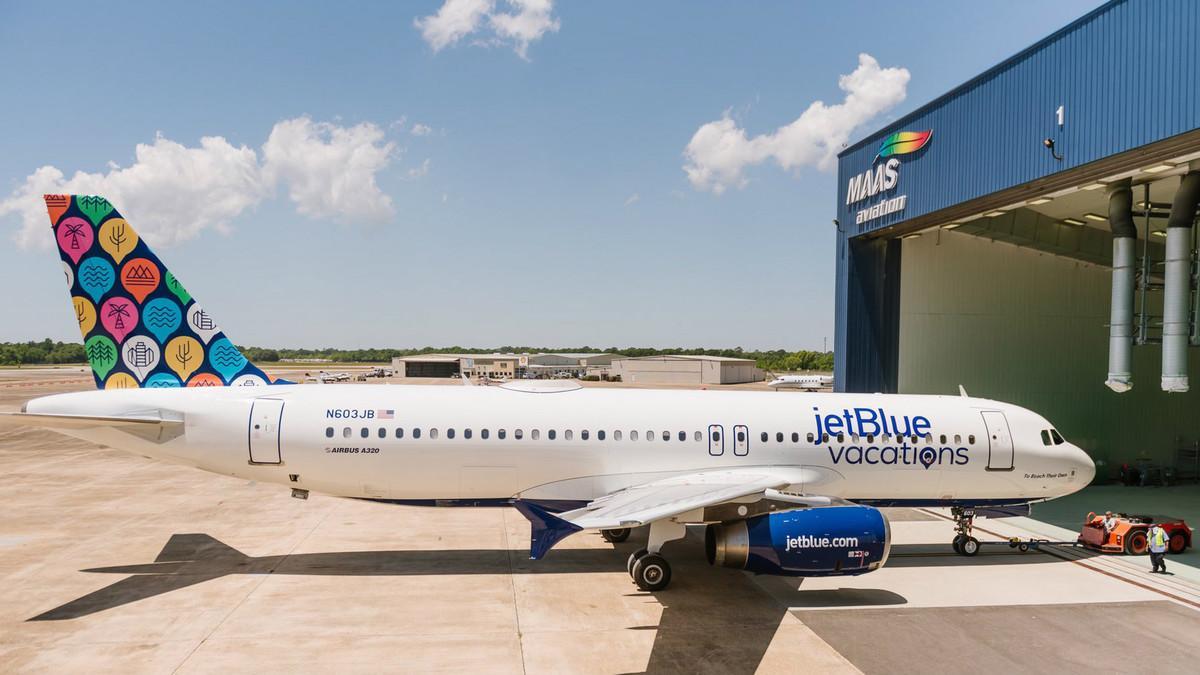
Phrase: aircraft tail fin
(140, 326)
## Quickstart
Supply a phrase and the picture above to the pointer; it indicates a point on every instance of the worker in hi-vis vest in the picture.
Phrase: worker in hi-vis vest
(1158, 548)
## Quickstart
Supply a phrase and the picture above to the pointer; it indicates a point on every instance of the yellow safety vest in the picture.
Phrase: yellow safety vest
(1160, 537)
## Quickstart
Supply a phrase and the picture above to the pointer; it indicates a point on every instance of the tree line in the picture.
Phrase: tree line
(50, 352)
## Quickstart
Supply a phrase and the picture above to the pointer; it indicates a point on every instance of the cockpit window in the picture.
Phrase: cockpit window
(1045, 437)
(1058, 439)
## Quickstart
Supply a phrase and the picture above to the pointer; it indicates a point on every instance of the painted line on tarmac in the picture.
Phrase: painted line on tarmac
(1061, 555)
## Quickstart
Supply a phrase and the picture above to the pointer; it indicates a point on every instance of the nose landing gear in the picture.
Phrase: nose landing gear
(964, 543)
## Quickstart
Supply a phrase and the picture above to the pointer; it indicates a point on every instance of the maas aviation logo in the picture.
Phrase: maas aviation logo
(885, 175)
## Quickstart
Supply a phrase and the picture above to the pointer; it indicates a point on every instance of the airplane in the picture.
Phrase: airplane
(787, 485)
(805, 382)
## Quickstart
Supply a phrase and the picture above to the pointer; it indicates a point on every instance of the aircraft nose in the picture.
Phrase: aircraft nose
(1085, 468)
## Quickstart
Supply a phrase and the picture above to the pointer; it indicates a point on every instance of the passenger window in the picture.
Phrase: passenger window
(971, 439)
(841, 438)
(583, 435)
(1045, 437)
(382, 432)
(364, 432)
(1058, 439)
(666, 435)
(633, 435)
(600, 434)
(870, 438)
(551, 434)
(824, 438)
(450, 432)
(699, 436)
(617, 435)
(885, 438)
(741, 437)
(763, 437)
(928, 438)
(649, 435)
(795, 437)
(433, 433)
(683, 436)
(942, 439)
(346, 432)
(416, 432)
(328, 432)
(957, 439)
(483, 433)
(399, 432)
(778, 437)
(853, 438)
(466, 433)
(810, 437)
(501, 434)
(716, 436)
(568, 435)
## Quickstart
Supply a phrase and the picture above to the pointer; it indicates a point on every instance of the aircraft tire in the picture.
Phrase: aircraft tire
(615, 536)
(633, 558)
(651, 572)
(957, 544)
(969, 546)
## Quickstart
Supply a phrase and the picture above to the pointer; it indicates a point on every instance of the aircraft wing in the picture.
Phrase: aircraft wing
(666, 498)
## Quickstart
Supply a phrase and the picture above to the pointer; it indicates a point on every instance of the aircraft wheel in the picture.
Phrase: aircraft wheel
(615, 536)
(651, 572)
(1022, 547)
(633, 558)
(957, 543)
(969, 546)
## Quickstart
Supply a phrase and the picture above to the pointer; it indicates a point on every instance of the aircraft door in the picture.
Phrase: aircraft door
(741, 440)
(1000, 443)
(266, 415)
(716, 440)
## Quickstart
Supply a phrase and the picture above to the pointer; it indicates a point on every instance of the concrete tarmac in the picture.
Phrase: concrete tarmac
(112, 562)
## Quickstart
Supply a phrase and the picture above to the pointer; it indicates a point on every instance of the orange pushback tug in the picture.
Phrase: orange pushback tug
(1130, 534)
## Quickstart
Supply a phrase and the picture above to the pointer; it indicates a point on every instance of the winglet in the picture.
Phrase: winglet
(548, 529)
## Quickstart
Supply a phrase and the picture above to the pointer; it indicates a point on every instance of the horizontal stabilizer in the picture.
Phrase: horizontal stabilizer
(44, 421)
(548, 529)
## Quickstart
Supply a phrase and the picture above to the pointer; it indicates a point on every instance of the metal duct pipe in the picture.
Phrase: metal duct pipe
(1178, 285)
(1120, 325)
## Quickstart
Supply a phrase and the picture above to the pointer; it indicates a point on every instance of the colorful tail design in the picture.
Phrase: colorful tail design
(140, 327)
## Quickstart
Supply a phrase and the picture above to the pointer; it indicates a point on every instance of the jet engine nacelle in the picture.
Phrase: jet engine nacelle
(816, 542)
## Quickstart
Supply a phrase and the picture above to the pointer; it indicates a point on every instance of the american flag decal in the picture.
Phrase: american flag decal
(385, 414)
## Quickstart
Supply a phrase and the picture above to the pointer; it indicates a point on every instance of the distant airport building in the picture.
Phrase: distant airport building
(570, 365)
(685, 369)
(498, 366)
(1031, 235)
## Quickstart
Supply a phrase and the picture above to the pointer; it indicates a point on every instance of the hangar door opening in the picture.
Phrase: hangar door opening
(1016, 308)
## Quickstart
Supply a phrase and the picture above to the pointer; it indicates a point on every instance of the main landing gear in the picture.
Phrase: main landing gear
(964, 543)
(649, 570)
(615, 536)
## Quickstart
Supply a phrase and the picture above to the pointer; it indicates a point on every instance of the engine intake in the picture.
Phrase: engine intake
(816, 542)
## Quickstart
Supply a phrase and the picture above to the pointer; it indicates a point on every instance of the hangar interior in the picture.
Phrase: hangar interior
(1031, 235)
(1016, 306)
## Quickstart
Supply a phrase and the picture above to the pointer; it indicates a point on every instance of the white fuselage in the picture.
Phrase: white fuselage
(493, 443)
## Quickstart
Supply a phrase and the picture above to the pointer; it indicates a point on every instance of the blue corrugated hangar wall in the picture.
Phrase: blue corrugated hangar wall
(1114, 90)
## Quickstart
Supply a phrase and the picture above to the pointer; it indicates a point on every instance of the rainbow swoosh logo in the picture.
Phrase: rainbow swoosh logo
(903, 142)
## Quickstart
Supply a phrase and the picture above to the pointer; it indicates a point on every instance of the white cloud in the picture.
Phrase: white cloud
(632, 199)
(526, 23)
(172, 192)
(330, 170)
(418, 172)
(720, 151)
(419, 129)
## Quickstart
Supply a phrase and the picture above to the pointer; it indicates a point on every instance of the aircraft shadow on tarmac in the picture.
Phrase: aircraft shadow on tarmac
(710, 615)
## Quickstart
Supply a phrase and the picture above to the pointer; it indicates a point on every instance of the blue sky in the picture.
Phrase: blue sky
(373, 190)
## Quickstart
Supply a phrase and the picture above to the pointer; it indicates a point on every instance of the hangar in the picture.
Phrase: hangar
(686, 369)
(1031, 236)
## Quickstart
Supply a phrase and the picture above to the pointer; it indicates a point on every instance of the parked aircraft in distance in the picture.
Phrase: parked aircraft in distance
(805, 382)
(782, 484)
